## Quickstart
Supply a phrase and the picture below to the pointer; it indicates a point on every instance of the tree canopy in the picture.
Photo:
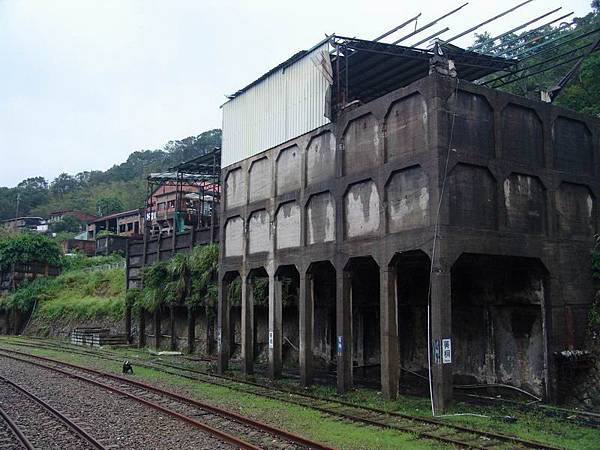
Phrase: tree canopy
(122, 187)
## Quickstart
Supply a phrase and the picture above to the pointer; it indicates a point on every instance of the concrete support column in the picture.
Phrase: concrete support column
(191, 331)
(223, 327)
(275, 326)
(247, 326)
(344, 330)
(173, 344)
(157, 330)
(306, 327)
(441, 333)
(551, 297)
(390, 357)
(209, 329)
(128, 323)
(142, 329)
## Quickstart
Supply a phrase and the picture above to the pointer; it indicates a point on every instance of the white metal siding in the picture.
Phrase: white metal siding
(285, 105)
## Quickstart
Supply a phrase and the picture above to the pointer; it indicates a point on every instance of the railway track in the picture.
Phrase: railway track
(11, 436)
(460, 436)
(36, 424)
(230, 427)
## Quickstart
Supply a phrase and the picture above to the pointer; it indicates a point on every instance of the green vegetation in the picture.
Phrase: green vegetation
(27, 248)
(81, 291)
(122, 187)
(526, 423)
(582, 93)
(186, 279)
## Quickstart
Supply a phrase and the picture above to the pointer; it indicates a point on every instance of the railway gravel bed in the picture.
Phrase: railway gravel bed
(113, 420)
(254, 434)
(9, 440)
(459, 436)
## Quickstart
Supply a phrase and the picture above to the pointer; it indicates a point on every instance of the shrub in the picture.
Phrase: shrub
(26, 248)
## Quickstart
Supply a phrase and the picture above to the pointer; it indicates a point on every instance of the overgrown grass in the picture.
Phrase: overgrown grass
(80, 294)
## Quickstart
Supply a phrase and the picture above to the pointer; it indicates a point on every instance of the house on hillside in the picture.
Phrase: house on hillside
(125, 223)
(179, 206)
(57, 216)
(38, 224)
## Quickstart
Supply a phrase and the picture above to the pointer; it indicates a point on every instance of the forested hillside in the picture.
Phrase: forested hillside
(121, 187)
(546, 55)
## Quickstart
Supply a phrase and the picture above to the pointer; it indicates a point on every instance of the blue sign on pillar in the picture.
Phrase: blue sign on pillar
(437, 352)
(340, 345)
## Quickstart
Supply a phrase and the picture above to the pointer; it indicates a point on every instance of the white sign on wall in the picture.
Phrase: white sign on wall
(446, 351)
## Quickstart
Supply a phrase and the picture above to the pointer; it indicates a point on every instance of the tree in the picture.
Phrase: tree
(63, 184)
(27, 248)
(68, 224)
(108, 205)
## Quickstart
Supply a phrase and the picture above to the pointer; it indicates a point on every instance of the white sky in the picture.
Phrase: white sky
(85, 83)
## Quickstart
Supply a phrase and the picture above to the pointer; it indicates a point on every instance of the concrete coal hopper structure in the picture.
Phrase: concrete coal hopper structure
(418, 221)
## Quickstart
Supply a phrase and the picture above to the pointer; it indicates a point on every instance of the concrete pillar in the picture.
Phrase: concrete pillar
(173, 344)
(157, 330)
(209, 329)
(441, 333)
(390, 357)
(223, 327)
(247, 326)
(275, 326)
(306, 327)
(128, 323)
(191, 330)
(142, 329)
(344, 330)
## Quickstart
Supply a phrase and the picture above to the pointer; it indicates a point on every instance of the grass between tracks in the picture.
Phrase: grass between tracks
(532, 425)
(303, 421)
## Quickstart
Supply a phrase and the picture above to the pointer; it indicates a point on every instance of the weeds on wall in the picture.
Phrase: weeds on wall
(187, 279)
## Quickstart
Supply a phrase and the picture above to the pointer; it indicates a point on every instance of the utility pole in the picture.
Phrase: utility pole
(18, 200)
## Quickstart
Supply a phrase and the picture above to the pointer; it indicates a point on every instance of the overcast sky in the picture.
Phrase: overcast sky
(85, 83)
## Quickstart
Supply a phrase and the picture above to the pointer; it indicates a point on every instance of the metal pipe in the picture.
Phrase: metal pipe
(430, 24)
(430, 37)
(536, 64)
(543, 44)
(488, 21)
(537, 72)
(393, 30)
(576, 38)
(545, 35)
(523, 36)
(520, 27)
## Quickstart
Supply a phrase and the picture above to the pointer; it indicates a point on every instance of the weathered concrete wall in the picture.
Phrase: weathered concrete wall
(320, 158)
(320, 219)
(522, 137)
(521, 179)
(573, 148)
(289, 169)
(235, 189)
(472, 192)
(234, 236)
(575, 213)
(361, 210)
(362, 147)
(406, 127)
(260, 179)
(407, 195)
(259, 232)
(288, 226)
(525, 203)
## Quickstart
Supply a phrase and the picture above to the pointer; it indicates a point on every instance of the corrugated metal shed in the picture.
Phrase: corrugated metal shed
(287, 103)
